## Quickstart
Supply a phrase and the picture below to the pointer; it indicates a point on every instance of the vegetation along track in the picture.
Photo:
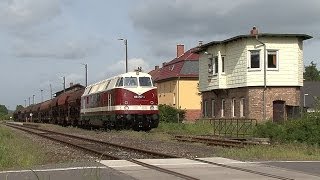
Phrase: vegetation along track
(116, 151)
(214, 141)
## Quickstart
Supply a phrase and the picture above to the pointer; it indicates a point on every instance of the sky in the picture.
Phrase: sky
(43, 40)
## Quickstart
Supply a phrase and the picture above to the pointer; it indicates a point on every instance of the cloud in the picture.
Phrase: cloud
(71, 49)
(120, 67)
(174, 21)
(27, 13)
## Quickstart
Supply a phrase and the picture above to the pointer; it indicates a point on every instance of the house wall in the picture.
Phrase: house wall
(237, 74)
(166, 92)
(253, 101)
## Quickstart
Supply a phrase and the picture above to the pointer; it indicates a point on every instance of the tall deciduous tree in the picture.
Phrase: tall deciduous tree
(311, 72)
(3, 110)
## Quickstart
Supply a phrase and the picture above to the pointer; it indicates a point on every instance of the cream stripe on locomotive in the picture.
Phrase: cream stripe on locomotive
(120, 107)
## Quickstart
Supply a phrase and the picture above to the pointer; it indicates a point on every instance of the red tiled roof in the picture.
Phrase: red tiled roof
(173, 69)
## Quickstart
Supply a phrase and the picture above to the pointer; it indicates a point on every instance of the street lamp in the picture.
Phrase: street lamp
(254, 32)
(33, 99)
(25, 103)
(86, 68)
(126, 45)
(304, 99)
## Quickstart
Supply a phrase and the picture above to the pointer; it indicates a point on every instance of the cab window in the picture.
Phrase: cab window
(119, 82)
(145, 81)
(130, 81)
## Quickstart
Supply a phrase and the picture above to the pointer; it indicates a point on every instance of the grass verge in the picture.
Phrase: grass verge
(17, 151)
(297, 151)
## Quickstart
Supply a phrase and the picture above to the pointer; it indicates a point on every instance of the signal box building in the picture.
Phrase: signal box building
(177, 82)
(236, 83)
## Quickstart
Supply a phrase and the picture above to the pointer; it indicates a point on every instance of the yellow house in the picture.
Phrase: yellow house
(177, 82)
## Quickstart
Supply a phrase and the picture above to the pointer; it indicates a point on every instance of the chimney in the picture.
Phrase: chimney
(163, 64)
(180, 50)
(254, 31)
(156, 67)
(71, 84)
(200, 43)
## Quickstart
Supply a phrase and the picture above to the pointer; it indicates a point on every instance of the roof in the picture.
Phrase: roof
(204, 46)
(73, 87)
(186, 65)
(309, 91)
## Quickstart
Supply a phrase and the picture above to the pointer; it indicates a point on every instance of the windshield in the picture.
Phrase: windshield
(145, 81)
(130, 81)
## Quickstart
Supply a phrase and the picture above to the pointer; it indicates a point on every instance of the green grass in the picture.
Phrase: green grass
(186, 129)
(272, 152)
(17, 151)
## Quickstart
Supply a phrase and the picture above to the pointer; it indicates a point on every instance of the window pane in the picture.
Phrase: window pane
(255, 59)
(145, 81)
(119, 82)
(222, 64)
(216, 64)
(130, 81)
(272, 59)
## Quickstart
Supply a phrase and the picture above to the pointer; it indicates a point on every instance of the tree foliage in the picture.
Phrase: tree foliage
(19, 107)
(3, 110)
(311, 72)
(170, 114)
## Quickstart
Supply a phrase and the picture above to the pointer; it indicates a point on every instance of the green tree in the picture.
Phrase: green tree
(3, 110)
(19, 107)
(311, 72)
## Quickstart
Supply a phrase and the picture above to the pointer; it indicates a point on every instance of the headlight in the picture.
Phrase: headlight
(151, 102)
(125, 102)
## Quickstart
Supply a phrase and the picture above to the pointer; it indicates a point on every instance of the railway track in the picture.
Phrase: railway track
(213, 141)
(117, 152)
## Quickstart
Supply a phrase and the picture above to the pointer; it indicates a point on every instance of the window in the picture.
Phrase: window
(130, 81)
(242, 107)
(205, 106)
(145, 81)
(272, 59)
(210, 66)
(119, 82)
(254, 59)
(233, 102)
(222, 63)
(222, 107)
(108, 84)
(216, 65)
(212, 108)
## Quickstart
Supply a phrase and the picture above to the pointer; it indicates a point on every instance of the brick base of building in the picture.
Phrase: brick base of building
(193, 114)
(279, 102)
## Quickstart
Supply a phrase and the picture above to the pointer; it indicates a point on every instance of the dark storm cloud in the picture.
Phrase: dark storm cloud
(171, 21)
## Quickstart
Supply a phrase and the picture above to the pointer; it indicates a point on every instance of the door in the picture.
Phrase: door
(278, 111)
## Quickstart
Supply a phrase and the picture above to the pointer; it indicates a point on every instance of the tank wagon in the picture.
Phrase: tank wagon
(125, 101)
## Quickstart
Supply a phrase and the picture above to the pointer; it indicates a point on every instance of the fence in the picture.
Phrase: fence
(233, 127)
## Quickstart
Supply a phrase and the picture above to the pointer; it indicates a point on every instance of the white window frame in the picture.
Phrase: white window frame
(277, 57)
(233, 112)
(242, 107)
(223, 102)
(249, 60)
(212, 108)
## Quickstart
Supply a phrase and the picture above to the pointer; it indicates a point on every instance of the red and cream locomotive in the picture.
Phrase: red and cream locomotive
(125, 101)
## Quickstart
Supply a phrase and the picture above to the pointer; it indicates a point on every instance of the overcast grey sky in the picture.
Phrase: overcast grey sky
(43, 40)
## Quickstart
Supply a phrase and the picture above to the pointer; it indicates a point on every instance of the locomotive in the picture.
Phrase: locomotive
(125, 101)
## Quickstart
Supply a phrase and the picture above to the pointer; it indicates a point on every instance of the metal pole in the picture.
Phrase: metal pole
(126, 44)
(264, 76)
(86, 67)
(29, 101)
(64, 84)
(25, 103)
(50, 91)
(33, 99)
(41, 91)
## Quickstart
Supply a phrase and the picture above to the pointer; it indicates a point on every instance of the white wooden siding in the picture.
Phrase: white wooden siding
(237, 57)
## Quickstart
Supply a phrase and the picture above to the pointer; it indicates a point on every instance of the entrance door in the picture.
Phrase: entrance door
(278, 111)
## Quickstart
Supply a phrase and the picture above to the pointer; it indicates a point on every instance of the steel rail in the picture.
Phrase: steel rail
(177, 174)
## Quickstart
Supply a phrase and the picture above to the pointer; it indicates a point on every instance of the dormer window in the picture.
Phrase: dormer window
(254, 59)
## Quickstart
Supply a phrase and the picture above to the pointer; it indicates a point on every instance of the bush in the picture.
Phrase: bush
(170, 114)
(304, 130)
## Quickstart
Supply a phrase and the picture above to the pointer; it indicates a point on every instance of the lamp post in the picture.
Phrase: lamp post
(25, 103)
(126, 45)
(33, 99)
(86, 69)
(254, 32)
(29, 101)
